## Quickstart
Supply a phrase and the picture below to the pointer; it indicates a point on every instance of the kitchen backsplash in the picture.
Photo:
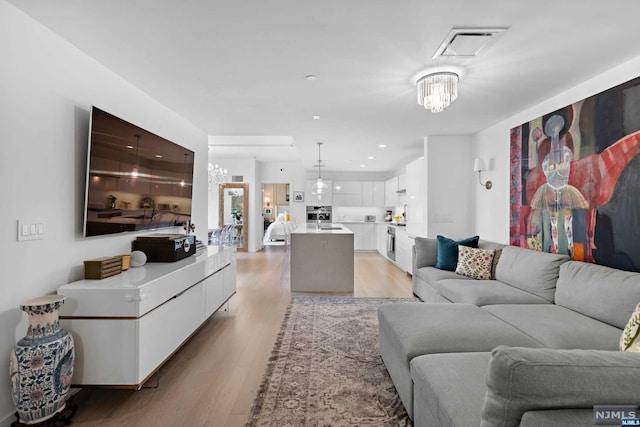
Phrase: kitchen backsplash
(357, 214)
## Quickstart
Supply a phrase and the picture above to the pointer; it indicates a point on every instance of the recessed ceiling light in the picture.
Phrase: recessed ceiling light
(311, 78)
(130, 147)
(382, 146)
(362, 166)
(370, 157)
(316, 117)
(159, 156)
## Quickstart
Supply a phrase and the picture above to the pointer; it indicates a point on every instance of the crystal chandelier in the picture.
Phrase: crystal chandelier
(436, 91)
(319, 186)
(217, 175)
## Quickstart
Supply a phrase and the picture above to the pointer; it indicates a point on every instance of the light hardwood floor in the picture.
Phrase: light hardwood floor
(213, 378)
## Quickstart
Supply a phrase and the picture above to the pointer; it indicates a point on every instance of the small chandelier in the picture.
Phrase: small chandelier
(436, 91)
(217, 175)
(319, 186)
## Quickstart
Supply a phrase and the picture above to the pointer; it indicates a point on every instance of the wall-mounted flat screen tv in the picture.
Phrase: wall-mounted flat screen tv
(136, 180)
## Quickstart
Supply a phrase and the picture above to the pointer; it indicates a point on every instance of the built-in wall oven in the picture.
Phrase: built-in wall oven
(318, 213)
(391, 242)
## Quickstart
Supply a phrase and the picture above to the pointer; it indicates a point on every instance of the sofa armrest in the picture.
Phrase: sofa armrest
(425, 252)
(529, 379)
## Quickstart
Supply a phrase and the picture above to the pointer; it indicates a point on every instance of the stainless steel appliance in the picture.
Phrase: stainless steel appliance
(318, 213)
(391, 243)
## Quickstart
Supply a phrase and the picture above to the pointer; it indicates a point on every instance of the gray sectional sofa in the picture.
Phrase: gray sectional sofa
(536, 346)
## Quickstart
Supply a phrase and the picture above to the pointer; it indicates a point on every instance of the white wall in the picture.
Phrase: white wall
(449, 203)
(492, 207)
(48, 87)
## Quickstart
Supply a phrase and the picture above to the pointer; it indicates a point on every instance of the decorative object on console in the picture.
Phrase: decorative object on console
(475, 263)
(165, 247)
(126, 261)
(447, 258)
(103, 267)
(630, 339)
(41, 365)
(436, 91)
(479, 166)
(138, 259)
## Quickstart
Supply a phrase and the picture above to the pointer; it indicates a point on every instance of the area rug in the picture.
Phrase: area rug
(325, 368)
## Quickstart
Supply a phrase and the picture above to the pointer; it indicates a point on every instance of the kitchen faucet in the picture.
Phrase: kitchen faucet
(320, 210)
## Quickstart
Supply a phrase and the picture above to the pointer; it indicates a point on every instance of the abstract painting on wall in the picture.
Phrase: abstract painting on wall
(575, 180)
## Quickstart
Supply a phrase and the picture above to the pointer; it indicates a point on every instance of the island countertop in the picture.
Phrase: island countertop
(333, 228)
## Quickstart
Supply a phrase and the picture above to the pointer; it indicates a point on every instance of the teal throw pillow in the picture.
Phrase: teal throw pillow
(448, 251)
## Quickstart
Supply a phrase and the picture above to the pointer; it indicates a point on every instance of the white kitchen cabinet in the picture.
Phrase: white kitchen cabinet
(146, 313)
(414, 209)
(404, 247)
(325, 198)
(347, 187)
(402, 182)
(364, 236)
(391, 192)
(381, 238)
(378, 194)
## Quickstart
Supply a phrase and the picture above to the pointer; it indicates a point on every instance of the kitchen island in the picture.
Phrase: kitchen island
(322, 258)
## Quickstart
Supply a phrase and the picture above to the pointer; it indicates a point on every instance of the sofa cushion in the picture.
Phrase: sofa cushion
(426, 250)
(448, 251)
(630, 338)
(407, 330)
(532, 271)
(432, 275)
(557, 417)
(525, 379)
(449, 388)
(558, 327)
(475, 263)
(600, 292)
(485, 292)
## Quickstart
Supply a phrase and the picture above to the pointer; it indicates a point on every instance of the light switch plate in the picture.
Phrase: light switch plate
(31, 230)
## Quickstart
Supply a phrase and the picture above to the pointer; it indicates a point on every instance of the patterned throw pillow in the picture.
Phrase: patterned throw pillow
(630, 339)
(475, 263)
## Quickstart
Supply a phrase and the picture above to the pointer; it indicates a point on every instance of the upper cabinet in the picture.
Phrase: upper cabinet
(356, 193)
(323, 199)
(402, 182)
(414, 197)
(347, 193)
(391, 192)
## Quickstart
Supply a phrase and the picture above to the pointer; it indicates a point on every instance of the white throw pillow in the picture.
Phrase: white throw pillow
(475, 263)
(630, 339)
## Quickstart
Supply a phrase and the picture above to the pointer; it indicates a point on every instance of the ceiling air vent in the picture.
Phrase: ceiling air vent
(468, 42)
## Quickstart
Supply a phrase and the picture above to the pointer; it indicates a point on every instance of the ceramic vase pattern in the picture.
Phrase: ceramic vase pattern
(41, 365)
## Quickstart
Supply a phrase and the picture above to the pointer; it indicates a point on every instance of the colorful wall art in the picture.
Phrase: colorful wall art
(575, 180)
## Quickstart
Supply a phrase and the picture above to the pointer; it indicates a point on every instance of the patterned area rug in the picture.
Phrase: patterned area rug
(325, 368)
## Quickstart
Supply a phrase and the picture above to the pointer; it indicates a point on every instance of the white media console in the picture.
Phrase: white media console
(126, 326)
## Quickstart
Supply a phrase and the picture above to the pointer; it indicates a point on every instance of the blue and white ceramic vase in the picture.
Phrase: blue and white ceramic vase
(41, 365)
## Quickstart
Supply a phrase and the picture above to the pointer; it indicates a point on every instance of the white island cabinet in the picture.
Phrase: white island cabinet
(322, 258)
(126, 326)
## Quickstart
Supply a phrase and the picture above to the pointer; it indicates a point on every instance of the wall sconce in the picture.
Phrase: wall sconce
(479, 166)
(267, 201)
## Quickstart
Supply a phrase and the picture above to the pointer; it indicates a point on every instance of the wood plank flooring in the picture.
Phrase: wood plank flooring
(213, 379)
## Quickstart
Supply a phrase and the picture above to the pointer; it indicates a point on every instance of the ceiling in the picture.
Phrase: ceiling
(236, 68)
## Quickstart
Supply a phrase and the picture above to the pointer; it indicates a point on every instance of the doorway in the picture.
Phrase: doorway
(276, 203)
(233, 212)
